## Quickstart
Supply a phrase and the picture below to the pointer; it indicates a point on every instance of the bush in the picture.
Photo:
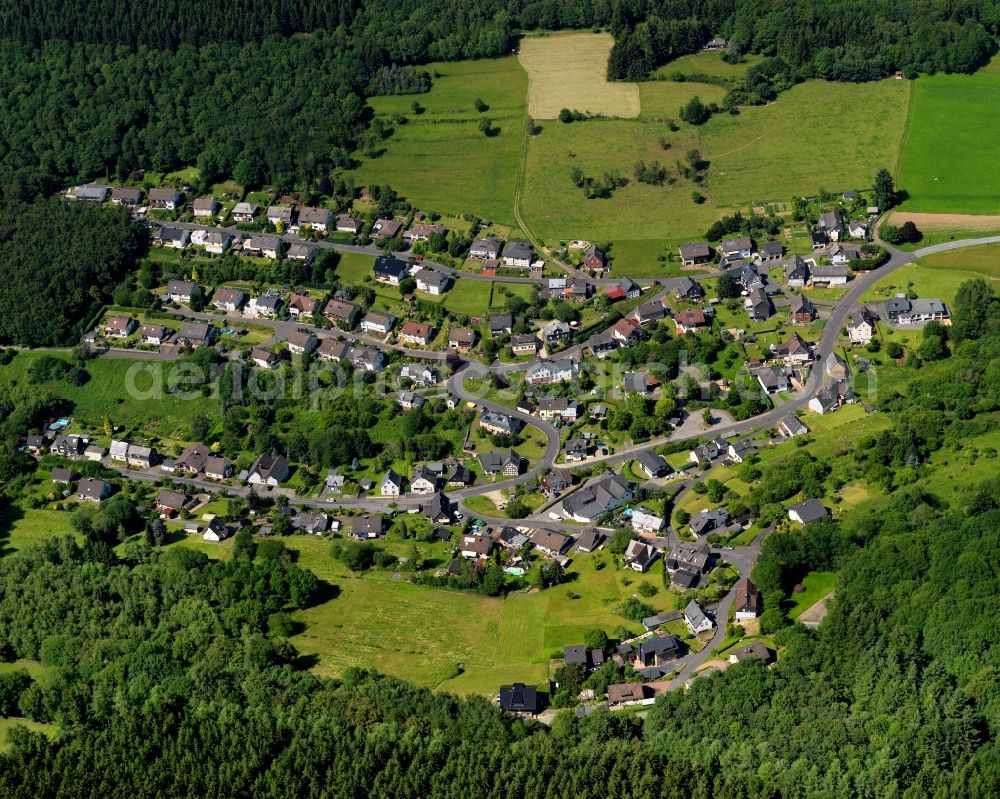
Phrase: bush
(647, 589)
(695, 112)
(635, 610)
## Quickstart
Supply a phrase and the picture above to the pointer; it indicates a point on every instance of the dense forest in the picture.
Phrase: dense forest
(60, 261)
(168, 675)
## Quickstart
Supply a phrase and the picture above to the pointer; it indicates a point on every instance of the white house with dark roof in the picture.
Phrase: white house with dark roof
(517, 254)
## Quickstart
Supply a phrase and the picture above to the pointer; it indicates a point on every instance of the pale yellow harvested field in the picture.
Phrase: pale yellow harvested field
(927, 221)
(569, 70)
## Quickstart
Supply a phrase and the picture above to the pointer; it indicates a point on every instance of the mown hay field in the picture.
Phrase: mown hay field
(569, 70)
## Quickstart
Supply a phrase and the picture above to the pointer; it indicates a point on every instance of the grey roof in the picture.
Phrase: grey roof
(809, 510)
(694, 614)
(518, 250)
(390, 266)
(652, 462)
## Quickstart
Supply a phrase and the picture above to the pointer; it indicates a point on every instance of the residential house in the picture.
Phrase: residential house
(301, 342)
(229, 299)
(311, 523)
(645, 521)
(772, 251)
(594, 259)
(520, 700)
(500, 424)
(902, 311)
(419, 374)
(457, 475)
(119, 326)
(386, 229)
(141, 457)
(819, 239)
(746, 600)
(182, 290)
(832, 397)
(95, 453)
(830, 275)
(126, 195)
(790, 426)
(91, 489)
(422, 231)
(164, 198)
(640, 383)
(269, 470)
(438, 509)
(709, 452)
(630, 289)
(391, 485)
(808, 511)
(589, 540)
(693, 253)
(692, 558)
(832, 224)
(301, 304)
(576, 449)
(650, 311)
(506, 463)
(706, 521)
(695, 619)
(195, 334)
(263, 359)
(600, 495)
(561, 408)
(794, 352)
(755, 650)
(390, 270)
(215, 530)
(245, 212)
(858, 229)
(626, 332)
(192, 459)
(475, 547)
(686, 288)
(639, 555)
(801, 309)
(423, 481)
(796, 272)
(407, 400)
(543, 371)
(737, 248)
(862, 327)
(757, 305)
(843, 254)
(348, 224)
(171, 237)
(266, 246)
(415, 333)
(524, 344)
(119, 451)
(462, 339)
(604, 343)
(92, 192)
(379, 322)
(367, 359)
(690, 321)
(218, 468)
(659, 650)
(487, 249)
(836, 367)
(555, 332)
(577, 290)
(549, 543)
(205, 206)
(36, 444)
(517, 254)
(341, 313)
(772, 380)
(432, 281)
(652, 465)
(315, 218)
(153, 334)
(301, 252)
(741, 449)
(747, 276)
(171, 502)
(279, 215)
(62, 476)
(632, 693)
(264, 306)
(367, 527)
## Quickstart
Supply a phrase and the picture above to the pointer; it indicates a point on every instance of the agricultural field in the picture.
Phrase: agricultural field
(940, 275)
(568, 70)
(439, 159)
(947, 166)
(763, 154)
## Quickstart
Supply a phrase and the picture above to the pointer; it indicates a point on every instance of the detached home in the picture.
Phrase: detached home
(126, 195)
(205, 206)
(517, 254)
(487, 249)
(316, 218)
(269, 470)
(415, 333)
(378, 322)
(229, 299)
(389, 269)
(693, 254)
(164, 198)
(279, 215)
(245, 212)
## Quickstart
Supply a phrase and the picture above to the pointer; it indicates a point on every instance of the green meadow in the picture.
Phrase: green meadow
(941, 275)
(948, 162)
(439, 159)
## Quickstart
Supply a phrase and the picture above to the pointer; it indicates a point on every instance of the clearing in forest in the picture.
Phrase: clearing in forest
(569, 70)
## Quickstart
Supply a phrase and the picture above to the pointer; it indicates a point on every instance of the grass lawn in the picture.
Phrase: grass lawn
(817, 585)
(36, 527)
(469, 298)
(763, 154)
(439, 160)
(354, 267)
(955, 174)
(7, 724)
(662, 99)
(940, 275)
(707, 63)
(568, 70)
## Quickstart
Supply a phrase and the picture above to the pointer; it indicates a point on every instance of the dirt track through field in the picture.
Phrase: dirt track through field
(978, 222)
